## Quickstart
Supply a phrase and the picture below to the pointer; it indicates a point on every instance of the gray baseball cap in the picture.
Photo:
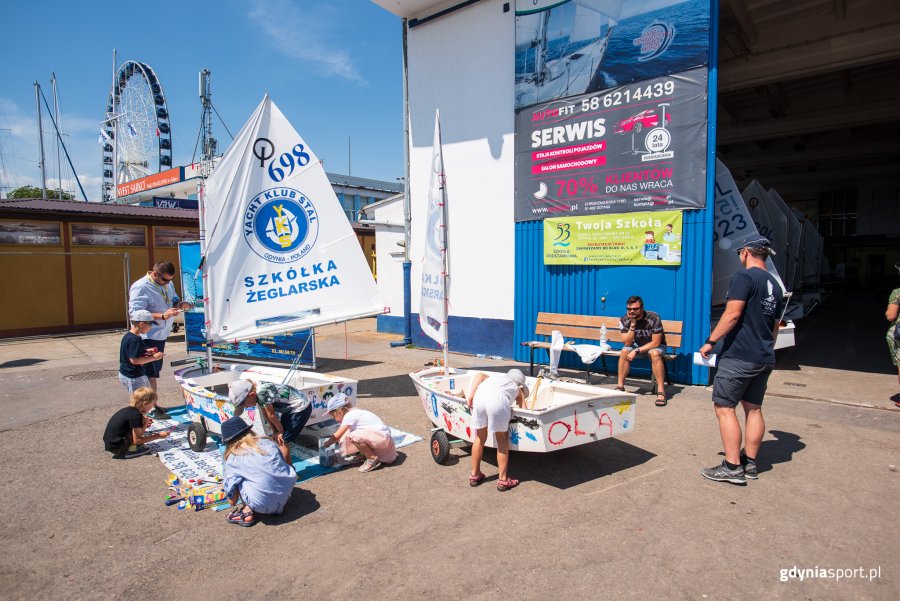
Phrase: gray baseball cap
(237, 394)
(142, 315)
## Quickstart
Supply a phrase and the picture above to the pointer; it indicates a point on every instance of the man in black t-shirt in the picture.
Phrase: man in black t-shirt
(643, 335)
(749, 327)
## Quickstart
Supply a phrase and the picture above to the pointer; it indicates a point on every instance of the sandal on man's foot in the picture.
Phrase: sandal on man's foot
(661, 400)
(476, 479)
(504, 485)
(620, 388)
(239, 516)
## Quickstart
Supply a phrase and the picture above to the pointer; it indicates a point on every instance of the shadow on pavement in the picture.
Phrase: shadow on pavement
(21, 363)
(301, 503)
(388, 386)
(329, 364)
(780, 450)
(574, 466)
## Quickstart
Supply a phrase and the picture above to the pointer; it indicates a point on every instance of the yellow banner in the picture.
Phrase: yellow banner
(647, 238)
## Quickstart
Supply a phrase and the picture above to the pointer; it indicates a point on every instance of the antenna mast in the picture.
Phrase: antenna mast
(210, 145)
(206, 161)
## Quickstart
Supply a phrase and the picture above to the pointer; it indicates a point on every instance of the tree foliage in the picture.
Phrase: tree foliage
(35, 192)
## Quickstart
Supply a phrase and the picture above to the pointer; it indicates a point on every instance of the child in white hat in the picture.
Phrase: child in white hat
(361, 431)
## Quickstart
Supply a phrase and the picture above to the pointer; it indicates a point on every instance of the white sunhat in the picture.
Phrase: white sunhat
(518, 377)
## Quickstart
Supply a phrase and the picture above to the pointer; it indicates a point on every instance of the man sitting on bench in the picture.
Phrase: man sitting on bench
(642, 336)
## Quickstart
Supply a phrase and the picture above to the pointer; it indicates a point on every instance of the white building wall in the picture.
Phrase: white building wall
(462, 64)
(389, 254)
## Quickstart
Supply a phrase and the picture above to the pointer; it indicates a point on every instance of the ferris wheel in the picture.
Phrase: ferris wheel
(137, 132)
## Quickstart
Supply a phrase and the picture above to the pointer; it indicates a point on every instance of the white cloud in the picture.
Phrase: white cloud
(301, 32)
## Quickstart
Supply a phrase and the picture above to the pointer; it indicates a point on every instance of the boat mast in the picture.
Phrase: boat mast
(445, 259)
(206, 159)
(56, 110)
(37, 103)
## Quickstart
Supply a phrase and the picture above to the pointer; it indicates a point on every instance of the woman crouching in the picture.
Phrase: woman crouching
(362, 432)
(257, 472)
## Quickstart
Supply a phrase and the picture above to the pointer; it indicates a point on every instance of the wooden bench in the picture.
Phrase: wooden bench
(587, 327)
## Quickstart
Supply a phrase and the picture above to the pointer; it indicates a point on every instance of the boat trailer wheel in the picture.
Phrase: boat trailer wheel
(196, 436)
(440, 446)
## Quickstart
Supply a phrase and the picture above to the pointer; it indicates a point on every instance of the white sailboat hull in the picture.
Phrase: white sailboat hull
(564, 414)
(206, 395)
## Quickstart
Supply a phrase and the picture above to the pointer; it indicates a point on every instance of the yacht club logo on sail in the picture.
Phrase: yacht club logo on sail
(280, 225)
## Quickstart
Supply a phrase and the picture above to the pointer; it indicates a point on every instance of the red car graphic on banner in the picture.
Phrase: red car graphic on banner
(648, 118)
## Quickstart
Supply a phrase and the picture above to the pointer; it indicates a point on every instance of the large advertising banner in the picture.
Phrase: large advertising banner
(650, 238)
(611, 106)
(571, 47)
(637, 147)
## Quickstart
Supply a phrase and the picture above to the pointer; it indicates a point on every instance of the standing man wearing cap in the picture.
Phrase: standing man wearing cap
(749, 327)
(155, 293)
(491, 399)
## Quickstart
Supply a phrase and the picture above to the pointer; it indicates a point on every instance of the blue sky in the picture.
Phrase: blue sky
(332, 66)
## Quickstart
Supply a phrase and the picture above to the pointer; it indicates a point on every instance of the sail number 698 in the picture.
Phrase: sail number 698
(288, 160)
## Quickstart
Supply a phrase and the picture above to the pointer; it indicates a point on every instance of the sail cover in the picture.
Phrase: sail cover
(733, 227)
(435, 270)
(280, 254)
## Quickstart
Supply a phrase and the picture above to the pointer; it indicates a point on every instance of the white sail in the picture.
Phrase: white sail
(813, 244)
(770, 221)
(435, 264)
(793, 269)
(280, 253)
(733, 226)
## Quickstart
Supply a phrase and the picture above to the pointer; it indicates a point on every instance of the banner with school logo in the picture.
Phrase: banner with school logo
(647, 238)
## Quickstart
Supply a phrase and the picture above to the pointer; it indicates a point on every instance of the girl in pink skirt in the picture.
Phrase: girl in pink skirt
(362, 432)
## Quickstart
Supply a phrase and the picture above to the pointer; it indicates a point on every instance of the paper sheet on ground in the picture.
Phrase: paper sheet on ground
(178, 457)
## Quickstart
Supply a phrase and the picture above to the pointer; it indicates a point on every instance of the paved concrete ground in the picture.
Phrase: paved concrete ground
(622, 518)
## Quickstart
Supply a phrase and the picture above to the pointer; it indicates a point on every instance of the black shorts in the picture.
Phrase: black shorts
(738, 381)
(153, 369)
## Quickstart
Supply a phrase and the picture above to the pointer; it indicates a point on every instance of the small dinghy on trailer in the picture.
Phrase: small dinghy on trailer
(277, 255)
(557, 414)
(207, 403)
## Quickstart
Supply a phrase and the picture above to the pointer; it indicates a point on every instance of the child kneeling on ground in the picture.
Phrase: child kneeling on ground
(362, 432)
(124, 433)
(258, 472)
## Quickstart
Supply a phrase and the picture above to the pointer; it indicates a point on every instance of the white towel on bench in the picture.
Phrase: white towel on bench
(589, 352)
(557, 342)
